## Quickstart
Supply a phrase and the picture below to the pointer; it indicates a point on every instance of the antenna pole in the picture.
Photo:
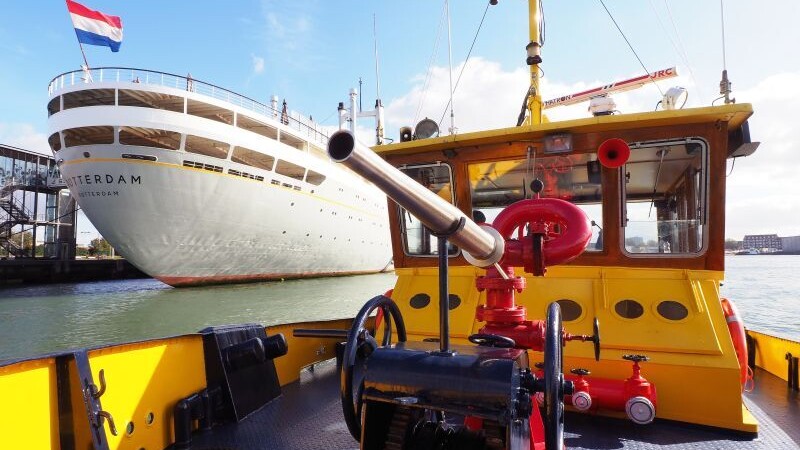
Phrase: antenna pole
(533, 60)
(724, 84)
(377, 67)
(450, 61)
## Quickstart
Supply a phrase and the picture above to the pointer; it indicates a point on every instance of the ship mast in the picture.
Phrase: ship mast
(533, 60)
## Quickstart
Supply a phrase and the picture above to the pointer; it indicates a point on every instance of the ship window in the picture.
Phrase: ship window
(253, 158)
(54, 106)
(89, 97)
(672, 310)
(245, 175)
(575, 178)
(55, 142)
(314, 178)
(208, 147)
(207, 111)
(257, 127)
(290, 170)
(149, 137)
(417, 239)
(149, 99)
(629, 309)
(570, 309)
(293, 141)
(74, 137)
(665, 186)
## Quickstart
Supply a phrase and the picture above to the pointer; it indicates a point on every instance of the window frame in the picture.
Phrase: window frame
(400, 211)
(705, 163)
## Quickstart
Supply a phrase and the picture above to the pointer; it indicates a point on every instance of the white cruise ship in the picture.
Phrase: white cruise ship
(195, 184)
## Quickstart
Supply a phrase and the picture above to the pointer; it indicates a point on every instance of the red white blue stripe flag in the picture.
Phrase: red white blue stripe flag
(94, 27)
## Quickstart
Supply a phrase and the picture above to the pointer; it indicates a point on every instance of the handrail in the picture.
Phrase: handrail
(166, 79)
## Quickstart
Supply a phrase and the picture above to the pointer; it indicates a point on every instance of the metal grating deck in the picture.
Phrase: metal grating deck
(308, 416)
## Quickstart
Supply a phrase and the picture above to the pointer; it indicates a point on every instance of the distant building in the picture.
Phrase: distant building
(791, 243)
(759, 241)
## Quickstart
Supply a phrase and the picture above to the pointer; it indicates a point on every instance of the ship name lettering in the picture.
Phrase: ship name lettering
(81, 180)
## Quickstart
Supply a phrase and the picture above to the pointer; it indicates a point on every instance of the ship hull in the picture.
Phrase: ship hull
(188, 226)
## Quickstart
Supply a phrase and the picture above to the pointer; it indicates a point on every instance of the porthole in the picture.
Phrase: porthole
(453, 302)
(129, 428)
(149, 418)
(629, 309)
(570, 309)
(672, 310)
(420, 301)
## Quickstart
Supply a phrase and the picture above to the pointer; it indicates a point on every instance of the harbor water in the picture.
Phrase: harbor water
(49, 318)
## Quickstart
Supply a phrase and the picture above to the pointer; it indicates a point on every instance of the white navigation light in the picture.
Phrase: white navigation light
(673, 97)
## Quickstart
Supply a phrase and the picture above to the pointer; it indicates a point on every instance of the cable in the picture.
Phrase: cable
(466, 60)
(430, 67)
(733, 164)
(679, 48)
(631, 47)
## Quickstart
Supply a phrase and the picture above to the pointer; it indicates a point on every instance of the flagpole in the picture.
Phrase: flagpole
(85, 61)
(82, 53)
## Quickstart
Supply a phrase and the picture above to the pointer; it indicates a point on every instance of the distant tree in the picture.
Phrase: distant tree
(23, 240)
(732, 244)
(99, 247)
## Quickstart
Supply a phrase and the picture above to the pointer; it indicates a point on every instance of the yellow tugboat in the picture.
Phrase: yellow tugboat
(557, 283)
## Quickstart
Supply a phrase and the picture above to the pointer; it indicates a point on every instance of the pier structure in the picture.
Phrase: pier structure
(38, 219)
(37, 214)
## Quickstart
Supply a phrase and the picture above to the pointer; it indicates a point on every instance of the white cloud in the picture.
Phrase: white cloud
(258, 64)
(761, 191)
(24, 136)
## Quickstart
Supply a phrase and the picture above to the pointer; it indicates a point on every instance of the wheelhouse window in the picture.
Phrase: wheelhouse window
(417, 239)
(575, 178)
(665, 197)
(149, 137)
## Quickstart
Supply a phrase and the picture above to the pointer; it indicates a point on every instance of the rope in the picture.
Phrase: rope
(466, 60)
(631, 46)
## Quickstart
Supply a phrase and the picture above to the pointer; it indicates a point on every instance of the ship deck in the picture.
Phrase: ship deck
(309, 416)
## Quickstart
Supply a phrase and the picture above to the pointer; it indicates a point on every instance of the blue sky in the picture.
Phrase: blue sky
(312, 52)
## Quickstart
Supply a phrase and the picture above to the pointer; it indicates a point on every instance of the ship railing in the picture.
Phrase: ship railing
(292, 119)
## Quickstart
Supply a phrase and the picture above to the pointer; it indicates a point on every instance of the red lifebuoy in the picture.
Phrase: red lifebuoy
(560, 248)
(738, 336)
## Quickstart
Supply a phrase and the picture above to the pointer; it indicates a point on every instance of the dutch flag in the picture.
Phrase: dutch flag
(94, 27)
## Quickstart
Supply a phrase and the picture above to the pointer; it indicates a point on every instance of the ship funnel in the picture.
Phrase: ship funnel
(482, 246)
(613, 153)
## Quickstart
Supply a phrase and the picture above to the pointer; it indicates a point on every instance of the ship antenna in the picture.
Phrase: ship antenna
(378, 104)
(377, 66)
(724, 84)
(450, 62)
